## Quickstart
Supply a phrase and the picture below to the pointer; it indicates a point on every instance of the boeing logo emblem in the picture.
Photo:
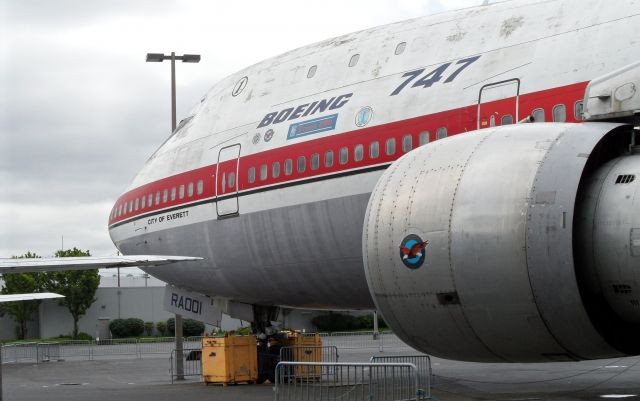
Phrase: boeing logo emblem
(305, 109)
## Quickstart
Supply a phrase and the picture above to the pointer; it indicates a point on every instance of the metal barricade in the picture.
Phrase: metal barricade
(9, 354)
(191, 362)
(346, 381)
(352, 340)
(302, 353)
(116, 346)
(422, 364)
(46, 352)
(156, 345)
(76, 349)
(25, 352)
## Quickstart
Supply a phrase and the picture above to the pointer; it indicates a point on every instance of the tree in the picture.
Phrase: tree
(190, 327)
(19, 283)
(78, 286)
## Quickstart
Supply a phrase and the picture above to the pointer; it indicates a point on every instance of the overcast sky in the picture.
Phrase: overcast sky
(80, 110)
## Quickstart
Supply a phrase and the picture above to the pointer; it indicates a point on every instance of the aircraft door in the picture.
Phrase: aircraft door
(227, 181)
(498, 103)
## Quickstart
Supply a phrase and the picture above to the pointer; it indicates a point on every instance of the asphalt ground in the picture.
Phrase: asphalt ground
(149, 379)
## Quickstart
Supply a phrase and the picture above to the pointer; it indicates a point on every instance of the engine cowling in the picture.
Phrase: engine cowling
(511, 243)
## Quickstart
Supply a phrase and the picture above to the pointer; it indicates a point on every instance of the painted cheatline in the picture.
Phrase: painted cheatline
(29, 297)
(88, 262)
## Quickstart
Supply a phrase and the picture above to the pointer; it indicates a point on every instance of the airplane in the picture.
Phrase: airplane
(502, 135)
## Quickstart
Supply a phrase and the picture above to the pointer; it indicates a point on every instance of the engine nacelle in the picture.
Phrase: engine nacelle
(518, 243)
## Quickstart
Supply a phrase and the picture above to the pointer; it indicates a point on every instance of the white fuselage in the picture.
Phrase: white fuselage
(269, 176)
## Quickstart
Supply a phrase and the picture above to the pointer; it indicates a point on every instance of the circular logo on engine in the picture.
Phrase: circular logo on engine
(412, 251)
(256, 138)
(268, 135)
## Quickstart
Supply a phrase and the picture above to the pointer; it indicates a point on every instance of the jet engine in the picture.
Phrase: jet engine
(518, 243)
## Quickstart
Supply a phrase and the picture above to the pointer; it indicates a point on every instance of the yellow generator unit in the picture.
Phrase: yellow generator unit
(229, 359)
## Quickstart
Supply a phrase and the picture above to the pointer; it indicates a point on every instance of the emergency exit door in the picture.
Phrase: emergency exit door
(498, 103)
(227, 181)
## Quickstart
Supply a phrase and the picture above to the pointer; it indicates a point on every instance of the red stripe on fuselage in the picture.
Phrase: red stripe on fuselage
(455, 121)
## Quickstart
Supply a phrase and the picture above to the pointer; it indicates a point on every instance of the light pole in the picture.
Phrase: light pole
(186, 58)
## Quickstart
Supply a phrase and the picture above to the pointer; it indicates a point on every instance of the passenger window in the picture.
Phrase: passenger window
(423, 138)
(143, 202)
(200, 187)
(507, 120)
(374, 149)
(390, 146)
(344, 155)
(538, 115)
(251, 175)
(264, 172)
(328, 158)
(150, 200)
(173, 194)
(275, 169)
(578, 108)
(559, 113)
(407, 143)
(288, 167)
(441, 133)
(136, 204)
(119, 210)
(131, 206)
(231, 180)
(492, 121)
(190, 190)
(165, 196)
(358, 153)
(315, 161)
(312, 71)
(158, 198)
(181, 192)
(400, 48)
(302, 164)
(354, 60)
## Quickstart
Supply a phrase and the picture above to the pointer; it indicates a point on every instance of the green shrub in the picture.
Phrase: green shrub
(366, 322)
(122, 328)
(83, 336)
(336, 322)
(189, 327)
(148, 328)
(162, 328)
(342, 322)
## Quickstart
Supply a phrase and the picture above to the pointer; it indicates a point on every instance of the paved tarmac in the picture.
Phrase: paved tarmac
(149, 379)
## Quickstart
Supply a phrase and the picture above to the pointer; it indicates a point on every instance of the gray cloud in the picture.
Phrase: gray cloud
(80, 110)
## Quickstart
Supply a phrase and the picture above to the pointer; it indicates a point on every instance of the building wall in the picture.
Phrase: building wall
(8, 328)
(145, 303)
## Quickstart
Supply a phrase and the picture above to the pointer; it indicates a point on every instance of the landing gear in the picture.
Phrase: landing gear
(268, 343)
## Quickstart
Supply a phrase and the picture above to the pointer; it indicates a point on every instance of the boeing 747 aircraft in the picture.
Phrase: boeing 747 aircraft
(472, 175)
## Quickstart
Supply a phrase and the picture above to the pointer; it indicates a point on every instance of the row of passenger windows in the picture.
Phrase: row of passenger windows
(147, 201)
(358, 152)
(558, 111)
(559, 115)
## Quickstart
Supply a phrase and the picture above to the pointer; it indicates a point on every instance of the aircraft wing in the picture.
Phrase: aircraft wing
(29, 297)
(87, 263)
